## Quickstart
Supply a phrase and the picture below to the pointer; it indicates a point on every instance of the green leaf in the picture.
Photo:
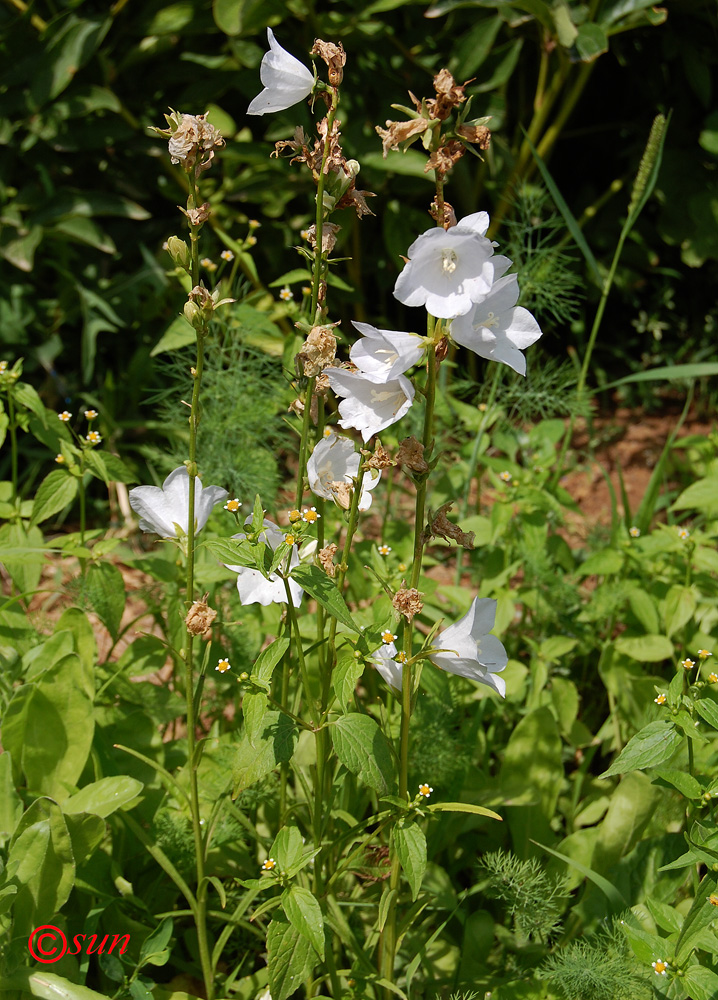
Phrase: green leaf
(701, 369)
(10, 801)
(607, 888)
(603, 563)
(178, 334)
(532, 765)
(154, 948)
(646, 648)
(55, 492)
(410, 844)
(591, 42)
(26, 395)
(701, 496)
(46, 986)
(48, 728)
(305, 915)
(644, 608)
(86, 834)
(463, 807)
(708, 710)
(654, 744)
(319, 586)
(105, 796)
(268, 659)
(680, 606)
(287, 847)
(565, 28)
(701, 982)
(105, 589)
(290, 958)
(250, 763)
(254, 709)
(701, 913)
(346, 674)
(70, 43)
(364, 750)
(681, 780)
(26, 570)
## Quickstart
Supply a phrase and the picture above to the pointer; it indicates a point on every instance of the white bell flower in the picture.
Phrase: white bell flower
(370, 406)
(384, 659)
(254, 588)
(450, 269)
(334, 461)
(498, 329)
(385, 354)
(163, 509)
(286, 80)
(468, 650)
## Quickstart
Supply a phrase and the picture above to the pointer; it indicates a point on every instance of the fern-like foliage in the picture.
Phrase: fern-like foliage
(535, 899)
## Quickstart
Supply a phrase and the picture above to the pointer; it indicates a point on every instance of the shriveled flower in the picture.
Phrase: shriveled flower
(335, 58)
(385, 354)
(477, 134)
(380, 458)
(449, 270)
(407, 601)
(440, 526)
(164, 509)
(449, 95)
(330, 232)
(334, 463)
(192, 140)
(318, 351)
(326, 558)
(468, 650)
(444, 158)
(384, 659)
(286, 81)
(397, 133)
(253, 587)
(411, 455)
(496, 328)
(200, 617)
(369, 406)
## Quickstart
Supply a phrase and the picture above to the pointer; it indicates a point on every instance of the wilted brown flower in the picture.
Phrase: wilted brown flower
(335, 58)
(197, 215)
(200, 617)
(442, 349)
(329, 236)
(192, 140)
(342, 493)
(380, 459)
(478, 134)
(407, 602)
(319, 350)
(444, 158)
(397, 132)
(441, 527)
(449, 95)
(326, 557)
(411, 455)
(449, 218)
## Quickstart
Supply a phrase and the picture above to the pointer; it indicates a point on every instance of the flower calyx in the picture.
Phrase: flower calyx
(201, 304)
(179, 252)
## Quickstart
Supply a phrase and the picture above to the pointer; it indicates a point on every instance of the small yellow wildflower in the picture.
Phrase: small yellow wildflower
(483, 407)
(286, 294)
(59, 459)
(223, 666)
(294, 515)
(506, 476)
(683, 534)
(3, 367)
(309, 514)
(227, 255)
(660, 700)
(93, 438)
(688, 664)
(387, 637)
(704, 654)
(713, 899)
(425, 790)
(233, 505)
(401, 657)
(306, 290)
(64, 416)
(328, 432)
(660, 967)
(269, 864)
(91, 414)
(253, 224)
(384, 550)
(713, 678)
(402, 567)
(351, 983)
(634, 532)
(289, 539)
(251, 241)
(304, 234)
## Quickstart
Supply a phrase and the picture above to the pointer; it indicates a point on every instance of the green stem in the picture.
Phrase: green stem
(12, 427)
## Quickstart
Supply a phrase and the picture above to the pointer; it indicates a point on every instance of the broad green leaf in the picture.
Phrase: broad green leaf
(364, 750)
(254, 708)
(681, 780)
(305, 915)
(701, 496)
(708, 710)
(345, 675)
(250, 763)
(319, 586)
(644, 608)
(105, 796)
(10, 801)
(239, 552)
(532, 765)
(25, 571)
(565, 28)
(178, 334)
(667, 918)
(591, 42)
(410, 844)
(155, 946)
(145, 655)
(701, 982)
(41, 863)
(26, 395)
(287, 847)
(646, 648)
(268, 659)
(603, 563)
(105, 589)
(646, 947)
(74, 620)
(89, 232)
(290, 958)
(55, 492)
(463, 807)
(701, 913)
(653, 745)
(86, 834)
(47, 986)
(70, 43)
(680, 606)
(48, 727)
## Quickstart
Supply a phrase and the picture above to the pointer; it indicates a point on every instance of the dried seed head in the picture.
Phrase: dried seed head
(200, 617)
(319, 350)
(381, 459)
(326, 557)
(407, 602)
(411, 455)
